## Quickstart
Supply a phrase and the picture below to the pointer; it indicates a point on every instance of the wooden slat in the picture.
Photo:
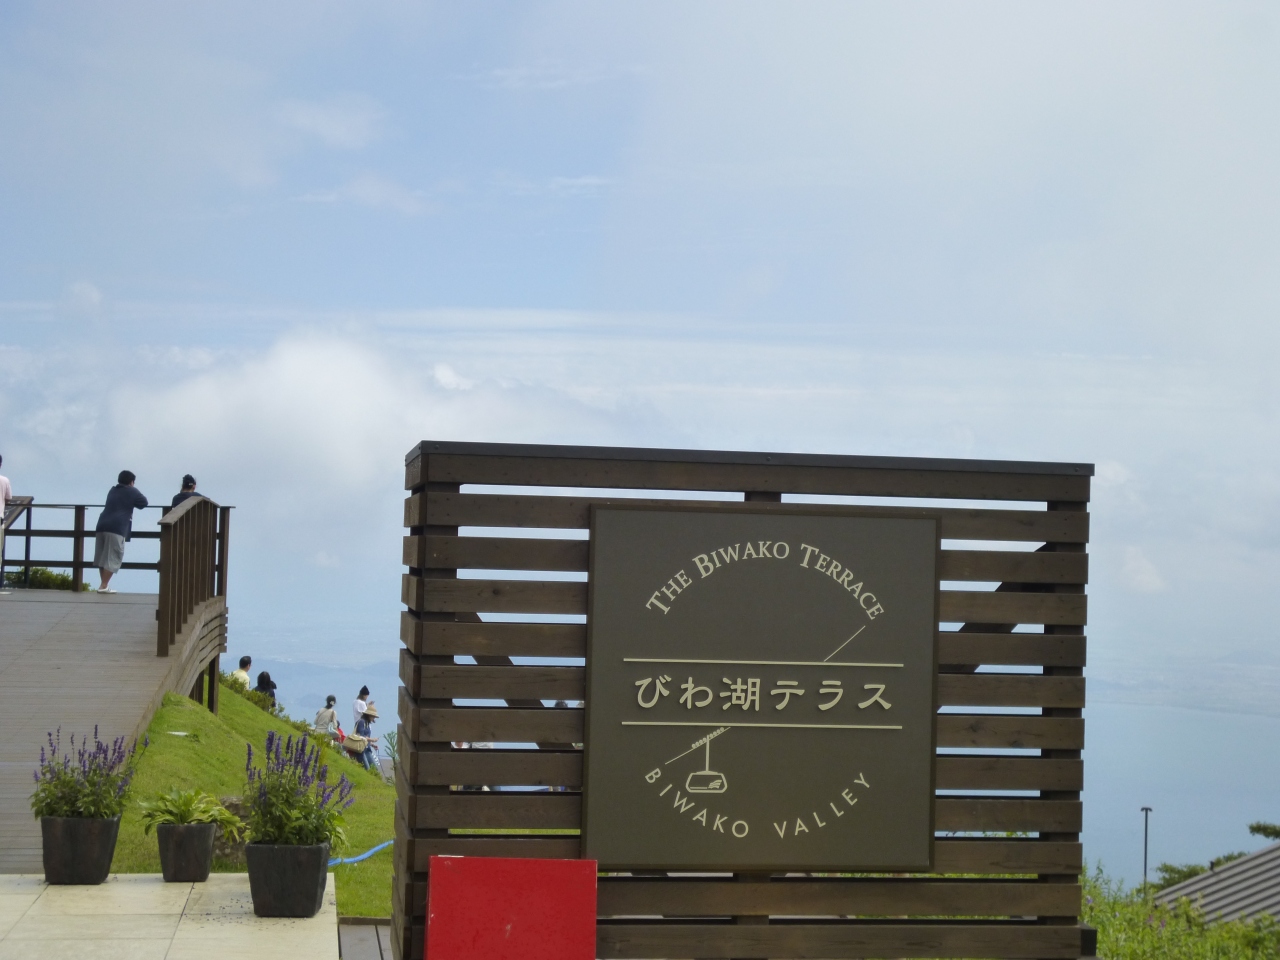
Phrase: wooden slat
(516, 725)
(506, 768)
(446, 682)
(1005, 566)
(532, 811)
(495, 596)
(551, 847)
(1007, 857)
(546, 768)
(778, 477)
(631, 896)
(1010, 649)
(1012, 732)
(1009, 690)
(489, 724)
(834, 941)
(511, 811)
(435, 638)
(1007, 814)
(523, 553)
(428, 595)
(463, 681)
(500, 553)
(972, 606)
(493, 510)
(1000, 773)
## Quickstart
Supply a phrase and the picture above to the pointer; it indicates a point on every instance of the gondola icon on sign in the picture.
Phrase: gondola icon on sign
(707, 780)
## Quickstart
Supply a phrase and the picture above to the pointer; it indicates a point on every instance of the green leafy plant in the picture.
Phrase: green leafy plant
(391, 741)
(290, 799)
(1263, 829)
(90, 781)
(190, 806)
(1132, 926)
(42, 578)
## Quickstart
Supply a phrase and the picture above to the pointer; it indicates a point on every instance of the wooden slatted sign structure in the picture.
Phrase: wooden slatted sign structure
(496, 633)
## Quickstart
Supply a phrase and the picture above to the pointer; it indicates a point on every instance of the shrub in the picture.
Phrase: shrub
(42, 578)
(190, 806)
(85, 781)
(290, 800)
(1132, 926)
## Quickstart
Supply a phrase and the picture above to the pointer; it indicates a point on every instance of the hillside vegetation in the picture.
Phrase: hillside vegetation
(191, 747)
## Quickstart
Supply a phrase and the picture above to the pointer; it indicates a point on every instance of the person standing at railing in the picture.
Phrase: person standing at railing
(188, 490)
(6, 494)
(115, 525)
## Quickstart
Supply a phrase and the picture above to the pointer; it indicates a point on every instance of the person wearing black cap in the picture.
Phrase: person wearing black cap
(188, 490)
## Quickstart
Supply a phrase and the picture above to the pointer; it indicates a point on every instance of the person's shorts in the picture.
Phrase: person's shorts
(108, 551)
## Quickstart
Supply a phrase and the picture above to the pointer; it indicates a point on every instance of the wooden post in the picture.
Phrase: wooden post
(26, 564)
(224, 540)
(197, 689)
(212, 697)
(164, 611)
(77, 551)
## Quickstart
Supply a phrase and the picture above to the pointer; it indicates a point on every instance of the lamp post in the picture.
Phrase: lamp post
(1146, 820)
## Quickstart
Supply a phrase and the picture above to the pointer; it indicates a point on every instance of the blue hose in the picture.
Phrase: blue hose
(364, 856)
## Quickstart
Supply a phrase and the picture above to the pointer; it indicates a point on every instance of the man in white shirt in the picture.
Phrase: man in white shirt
(6, 494)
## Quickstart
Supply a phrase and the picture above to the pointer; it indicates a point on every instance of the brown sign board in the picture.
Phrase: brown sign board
(760, 690)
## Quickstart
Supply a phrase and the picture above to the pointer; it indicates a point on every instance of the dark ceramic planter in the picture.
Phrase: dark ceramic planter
(78, 850)
(287, 881)
(186, 851)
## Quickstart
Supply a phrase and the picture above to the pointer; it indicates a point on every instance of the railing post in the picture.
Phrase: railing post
(224, 540)
(77, 552)
(26, 566)
(212, 697)
(164, 607)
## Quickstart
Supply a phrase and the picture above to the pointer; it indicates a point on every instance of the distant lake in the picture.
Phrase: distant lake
(1206, 776)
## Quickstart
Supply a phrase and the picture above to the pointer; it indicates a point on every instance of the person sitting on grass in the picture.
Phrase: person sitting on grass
(266, 686)
(364, 727)
(327, 719)
(241, 674)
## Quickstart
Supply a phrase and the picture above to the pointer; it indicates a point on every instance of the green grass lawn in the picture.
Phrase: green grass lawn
(212, 757)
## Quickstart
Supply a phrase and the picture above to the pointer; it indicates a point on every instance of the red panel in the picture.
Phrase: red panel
(495, 908)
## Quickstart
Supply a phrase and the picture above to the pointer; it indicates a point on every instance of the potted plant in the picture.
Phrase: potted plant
(295, 818)
(185, 822)
(78, 799)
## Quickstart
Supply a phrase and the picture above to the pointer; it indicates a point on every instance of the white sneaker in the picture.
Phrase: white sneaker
(105, 590)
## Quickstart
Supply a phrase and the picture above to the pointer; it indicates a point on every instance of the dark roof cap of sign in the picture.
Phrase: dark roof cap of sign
(747, 457)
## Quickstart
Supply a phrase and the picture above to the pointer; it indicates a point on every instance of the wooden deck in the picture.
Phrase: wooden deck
(71, 661)
(364, 941)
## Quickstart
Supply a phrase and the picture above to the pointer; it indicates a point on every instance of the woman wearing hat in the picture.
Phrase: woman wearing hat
(364, 727)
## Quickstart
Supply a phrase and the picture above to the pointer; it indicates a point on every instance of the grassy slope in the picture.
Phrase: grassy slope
(212, 757)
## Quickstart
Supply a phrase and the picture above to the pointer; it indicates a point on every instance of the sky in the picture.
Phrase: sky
(278, 245)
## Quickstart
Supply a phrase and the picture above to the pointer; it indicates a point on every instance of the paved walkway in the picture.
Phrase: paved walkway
(68, 660)
(140, 917)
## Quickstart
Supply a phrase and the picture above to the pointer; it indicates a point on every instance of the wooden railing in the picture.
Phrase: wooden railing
(20, 507)
(193, 555)
(193, 564)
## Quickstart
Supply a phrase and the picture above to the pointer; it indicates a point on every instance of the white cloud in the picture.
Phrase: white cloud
(347, 122)
(84, 296)
(1140, 574)
(376, 192)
